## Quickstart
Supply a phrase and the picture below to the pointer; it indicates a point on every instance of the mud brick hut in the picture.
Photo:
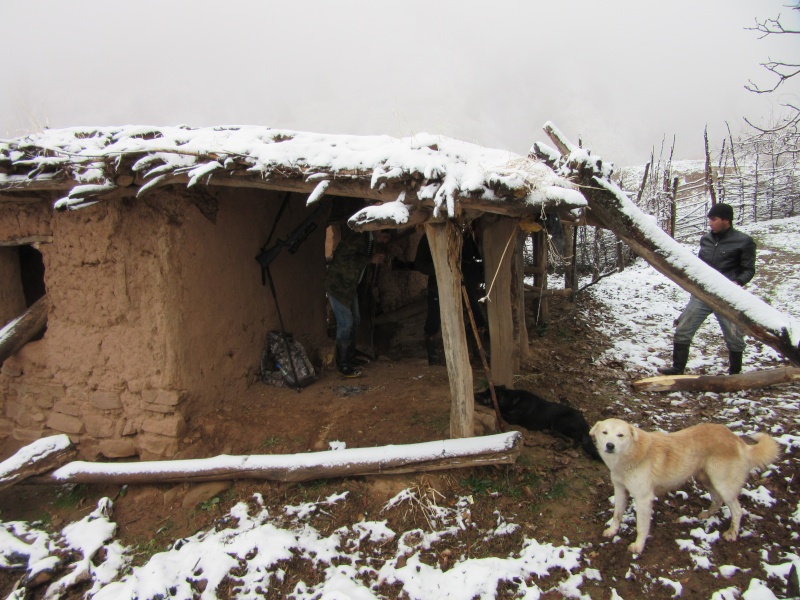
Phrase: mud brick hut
(128, 287)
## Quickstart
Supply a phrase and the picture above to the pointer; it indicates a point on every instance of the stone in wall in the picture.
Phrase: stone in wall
(117, 448)
(151, 446)
(171, 426)
(6, 427)
(67, 407)
(100, 426)
(165, 398)
(26, 436)
(65, 423)
(105, 400)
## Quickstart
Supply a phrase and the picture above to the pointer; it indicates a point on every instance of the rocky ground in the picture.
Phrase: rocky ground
(554, 492)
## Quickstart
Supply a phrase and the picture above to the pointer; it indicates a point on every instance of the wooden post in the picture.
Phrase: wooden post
(569, 263)
(539, 243)
(498, 247)
(521, 350)
(444, 240)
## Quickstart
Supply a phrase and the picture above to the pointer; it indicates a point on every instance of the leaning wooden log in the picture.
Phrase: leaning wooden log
(609, 204)
(410, 458)
(718, 383)
(38, 457)
(23, 329)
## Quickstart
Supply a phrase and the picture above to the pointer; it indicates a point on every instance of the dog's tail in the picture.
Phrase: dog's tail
(764, 452)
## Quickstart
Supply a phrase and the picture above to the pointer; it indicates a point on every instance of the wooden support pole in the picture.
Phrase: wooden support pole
(445, 244)
(521, 348)
(499, 241)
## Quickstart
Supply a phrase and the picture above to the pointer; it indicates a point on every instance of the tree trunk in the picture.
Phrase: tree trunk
(718, 383)
(21, 330)
(445, 245)
(496, 449)
(38, 457)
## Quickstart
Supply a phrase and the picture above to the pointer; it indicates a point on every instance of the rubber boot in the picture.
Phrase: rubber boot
(433, 351)
(343, 362)
(734, 363)
(680, 356)
(353, 359)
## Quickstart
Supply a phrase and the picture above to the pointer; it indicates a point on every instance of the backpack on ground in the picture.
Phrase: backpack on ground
(278, 369)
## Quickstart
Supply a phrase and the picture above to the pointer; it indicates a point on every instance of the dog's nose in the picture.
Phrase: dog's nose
(609, 447)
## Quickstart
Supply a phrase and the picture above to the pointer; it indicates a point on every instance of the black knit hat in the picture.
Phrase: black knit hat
(723, 211)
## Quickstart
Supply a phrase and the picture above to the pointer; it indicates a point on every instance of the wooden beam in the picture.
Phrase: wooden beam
(25, 327)
(496, 449)
(499, 243)
(445, 244)
(28, 240)
(718, 383)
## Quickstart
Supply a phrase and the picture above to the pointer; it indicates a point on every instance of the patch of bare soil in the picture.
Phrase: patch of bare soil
(554, 492)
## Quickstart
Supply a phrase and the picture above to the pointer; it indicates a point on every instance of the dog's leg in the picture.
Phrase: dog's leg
(644, 513)
(620, 504)
(716, 497)
(736, 519)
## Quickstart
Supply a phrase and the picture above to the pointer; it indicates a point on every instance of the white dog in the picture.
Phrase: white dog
(645, 464)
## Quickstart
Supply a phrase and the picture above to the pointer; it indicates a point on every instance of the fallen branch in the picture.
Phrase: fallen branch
(38, 457)
(429, 456)
(718, 383)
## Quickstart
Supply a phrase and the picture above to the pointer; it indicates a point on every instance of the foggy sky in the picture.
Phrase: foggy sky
(620, 74)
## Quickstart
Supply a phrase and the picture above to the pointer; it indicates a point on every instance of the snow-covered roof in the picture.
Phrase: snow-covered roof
(443, 175)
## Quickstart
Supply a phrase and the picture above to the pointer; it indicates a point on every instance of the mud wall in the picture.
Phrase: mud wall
(157, 313)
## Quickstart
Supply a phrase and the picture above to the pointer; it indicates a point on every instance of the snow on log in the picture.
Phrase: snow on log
(641, 232)
(428, 456)
(389, 215)
(718, 383)
(25, 327)
(38, 457)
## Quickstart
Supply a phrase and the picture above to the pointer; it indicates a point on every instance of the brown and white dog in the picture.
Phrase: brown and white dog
(645, 464)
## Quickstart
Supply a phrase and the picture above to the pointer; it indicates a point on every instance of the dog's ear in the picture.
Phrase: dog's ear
(594, 428)
(634, 432)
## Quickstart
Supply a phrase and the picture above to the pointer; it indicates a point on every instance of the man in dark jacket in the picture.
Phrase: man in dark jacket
(733, 254)
(350, 259)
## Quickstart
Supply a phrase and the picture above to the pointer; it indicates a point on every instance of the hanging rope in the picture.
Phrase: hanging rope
(502, 257)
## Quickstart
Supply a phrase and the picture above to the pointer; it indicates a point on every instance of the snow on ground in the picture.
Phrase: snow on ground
(639, 307)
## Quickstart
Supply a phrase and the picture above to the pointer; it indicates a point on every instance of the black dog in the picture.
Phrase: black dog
(518, 407)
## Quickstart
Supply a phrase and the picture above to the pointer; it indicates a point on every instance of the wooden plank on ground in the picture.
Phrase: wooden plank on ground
(496, 449)
(718, 383)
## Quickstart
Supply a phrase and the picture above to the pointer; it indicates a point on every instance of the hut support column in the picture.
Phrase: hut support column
(497, 264)
(445, 243)
(518, 303)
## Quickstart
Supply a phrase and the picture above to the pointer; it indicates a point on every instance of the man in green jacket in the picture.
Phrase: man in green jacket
(732, 253)
(350, 259)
